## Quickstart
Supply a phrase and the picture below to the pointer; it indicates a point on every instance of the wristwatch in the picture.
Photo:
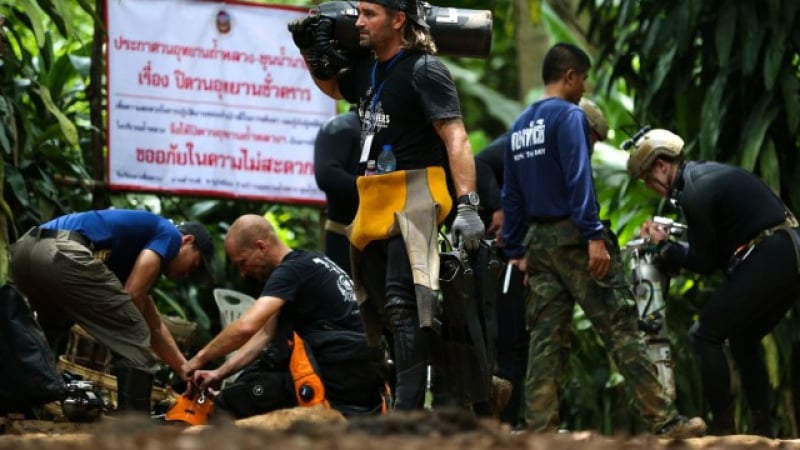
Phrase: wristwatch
(469, 199)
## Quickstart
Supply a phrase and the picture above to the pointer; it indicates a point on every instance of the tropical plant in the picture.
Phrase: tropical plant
(725, 76)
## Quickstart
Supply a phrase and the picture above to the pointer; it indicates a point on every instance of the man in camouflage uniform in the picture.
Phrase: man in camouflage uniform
(553, 233)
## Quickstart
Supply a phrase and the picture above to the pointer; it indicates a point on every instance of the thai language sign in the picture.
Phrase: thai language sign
(209, 98)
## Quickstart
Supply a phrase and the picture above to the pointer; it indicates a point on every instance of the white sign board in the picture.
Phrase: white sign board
(208, 98)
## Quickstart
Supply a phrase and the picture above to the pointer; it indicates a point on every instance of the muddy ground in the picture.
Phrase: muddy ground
(308, 428)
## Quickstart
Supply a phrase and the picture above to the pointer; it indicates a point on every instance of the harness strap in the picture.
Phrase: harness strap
(788, 226)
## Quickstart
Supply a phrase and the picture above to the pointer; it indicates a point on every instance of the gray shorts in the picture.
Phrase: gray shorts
(64, 284)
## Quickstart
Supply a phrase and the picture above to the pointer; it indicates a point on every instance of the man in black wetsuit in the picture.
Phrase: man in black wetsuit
(736, 224)
(336, 152)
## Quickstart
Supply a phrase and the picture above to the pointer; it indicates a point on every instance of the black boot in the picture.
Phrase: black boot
(410, 356)
(724, 422)
(762, 424)
(134, 387)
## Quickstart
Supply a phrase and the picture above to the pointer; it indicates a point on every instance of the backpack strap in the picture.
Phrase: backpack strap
(308, 385)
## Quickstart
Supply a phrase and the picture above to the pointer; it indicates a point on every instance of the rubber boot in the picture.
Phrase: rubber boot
(134, 387)
(410, 357)
(762, 424)
(724, 422)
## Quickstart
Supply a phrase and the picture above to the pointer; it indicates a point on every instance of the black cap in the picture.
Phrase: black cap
(412, 8)
(204, 243)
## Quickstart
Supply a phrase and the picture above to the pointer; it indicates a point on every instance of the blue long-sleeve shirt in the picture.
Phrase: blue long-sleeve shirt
(548, 172)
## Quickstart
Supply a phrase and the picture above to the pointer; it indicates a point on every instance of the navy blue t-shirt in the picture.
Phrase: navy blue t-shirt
(126, 233)
(314, 290)
(548, 172)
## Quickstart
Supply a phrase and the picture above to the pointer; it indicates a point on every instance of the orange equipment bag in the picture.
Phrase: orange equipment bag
(194, 410)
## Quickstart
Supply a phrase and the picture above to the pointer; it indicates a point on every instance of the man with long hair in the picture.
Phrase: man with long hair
(406, 99)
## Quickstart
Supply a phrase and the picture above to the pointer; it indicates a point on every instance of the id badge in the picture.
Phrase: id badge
(367, 146)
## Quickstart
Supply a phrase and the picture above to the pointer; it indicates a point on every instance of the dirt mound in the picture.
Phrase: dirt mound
(309, 428)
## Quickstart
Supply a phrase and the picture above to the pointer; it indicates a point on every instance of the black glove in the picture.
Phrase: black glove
(303, 31)
(669, 255)
(467, 228)
(325, 60)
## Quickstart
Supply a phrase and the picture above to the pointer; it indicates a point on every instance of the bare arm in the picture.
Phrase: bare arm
(329, 87)
(144, 274)
(237, 333)
(240, 358)
(459, 152)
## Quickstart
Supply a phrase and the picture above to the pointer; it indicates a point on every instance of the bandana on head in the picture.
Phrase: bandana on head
(410, 7)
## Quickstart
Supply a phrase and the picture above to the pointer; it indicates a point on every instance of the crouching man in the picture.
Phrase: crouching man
(301, 343)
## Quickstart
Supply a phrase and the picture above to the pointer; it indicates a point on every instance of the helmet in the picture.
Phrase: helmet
(651, 145)
(597, 121)
(414, 9)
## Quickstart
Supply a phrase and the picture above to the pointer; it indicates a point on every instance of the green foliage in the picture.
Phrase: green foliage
(723, 75)
(43, 83)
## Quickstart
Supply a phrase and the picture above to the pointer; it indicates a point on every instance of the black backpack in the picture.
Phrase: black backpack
(28, 373)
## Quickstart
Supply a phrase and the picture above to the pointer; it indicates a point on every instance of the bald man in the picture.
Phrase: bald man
(305, 293)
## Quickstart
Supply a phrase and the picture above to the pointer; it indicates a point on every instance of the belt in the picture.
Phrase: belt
(335, 227)
(788, 226)
(546, 219)
(45, 233)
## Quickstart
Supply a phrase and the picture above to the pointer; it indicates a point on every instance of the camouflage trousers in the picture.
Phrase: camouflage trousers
(557, 261)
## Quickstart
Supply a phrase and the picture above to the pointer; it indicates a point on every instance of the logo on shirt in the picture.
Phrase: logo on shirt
(526, 138)
(343, 281)
(372, 121)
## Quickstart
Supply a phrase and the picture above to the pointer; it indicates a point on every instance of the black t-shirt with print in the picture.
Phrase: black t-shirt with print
(413, 91)
(314, 289)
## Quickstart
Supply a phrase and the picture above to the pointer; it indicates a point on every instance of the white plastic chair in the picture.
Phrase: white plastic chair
(232, 304)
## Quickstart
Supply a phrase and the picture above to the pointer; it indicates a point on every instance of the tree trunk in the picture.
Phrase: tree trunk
(100, 197)
(532, 43)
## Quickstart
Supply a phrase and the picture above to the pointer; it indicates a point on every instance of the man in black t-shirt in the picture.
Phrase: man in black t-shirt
(307, 293)
(406, 99)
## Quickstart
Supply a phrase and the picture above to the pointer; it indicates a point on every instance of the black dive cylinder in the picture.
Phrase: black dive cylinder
(456, 31)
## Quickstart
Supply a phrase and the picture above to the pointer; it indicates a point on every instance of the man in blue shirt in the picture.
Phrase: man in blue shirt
(512, 335)
(96, 269)
(552, 232)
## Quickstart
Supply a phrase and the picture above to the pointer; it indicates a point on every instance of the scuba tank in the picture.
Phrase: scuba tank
(650, 285)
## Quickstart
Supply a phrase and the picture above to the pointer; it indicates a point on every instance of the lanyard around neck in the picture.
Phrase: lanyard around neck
(377, 92)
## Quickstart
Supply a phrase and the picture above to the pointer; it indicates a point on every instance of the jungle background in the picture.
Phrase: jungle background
(724, 75)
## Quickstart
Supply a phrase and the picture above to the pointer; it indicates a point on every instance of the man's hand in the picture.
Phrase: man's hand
(190, 367)
(467, 229)
(654, 232)
(207, 378)
(522, 265)
(303, 32)
(496, 226)
(599, 259)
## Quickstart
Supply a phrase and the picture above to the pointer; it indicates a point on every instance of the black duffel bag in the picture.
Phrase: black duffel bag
(28, 373)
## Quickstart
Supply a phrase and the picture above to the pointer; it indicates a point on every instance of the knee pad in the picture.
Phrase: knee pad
(401, 312)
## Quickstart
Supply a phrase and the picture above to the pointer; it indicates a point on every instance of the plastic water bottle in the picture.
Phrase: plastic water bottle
(386, 160)
(371, 168)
